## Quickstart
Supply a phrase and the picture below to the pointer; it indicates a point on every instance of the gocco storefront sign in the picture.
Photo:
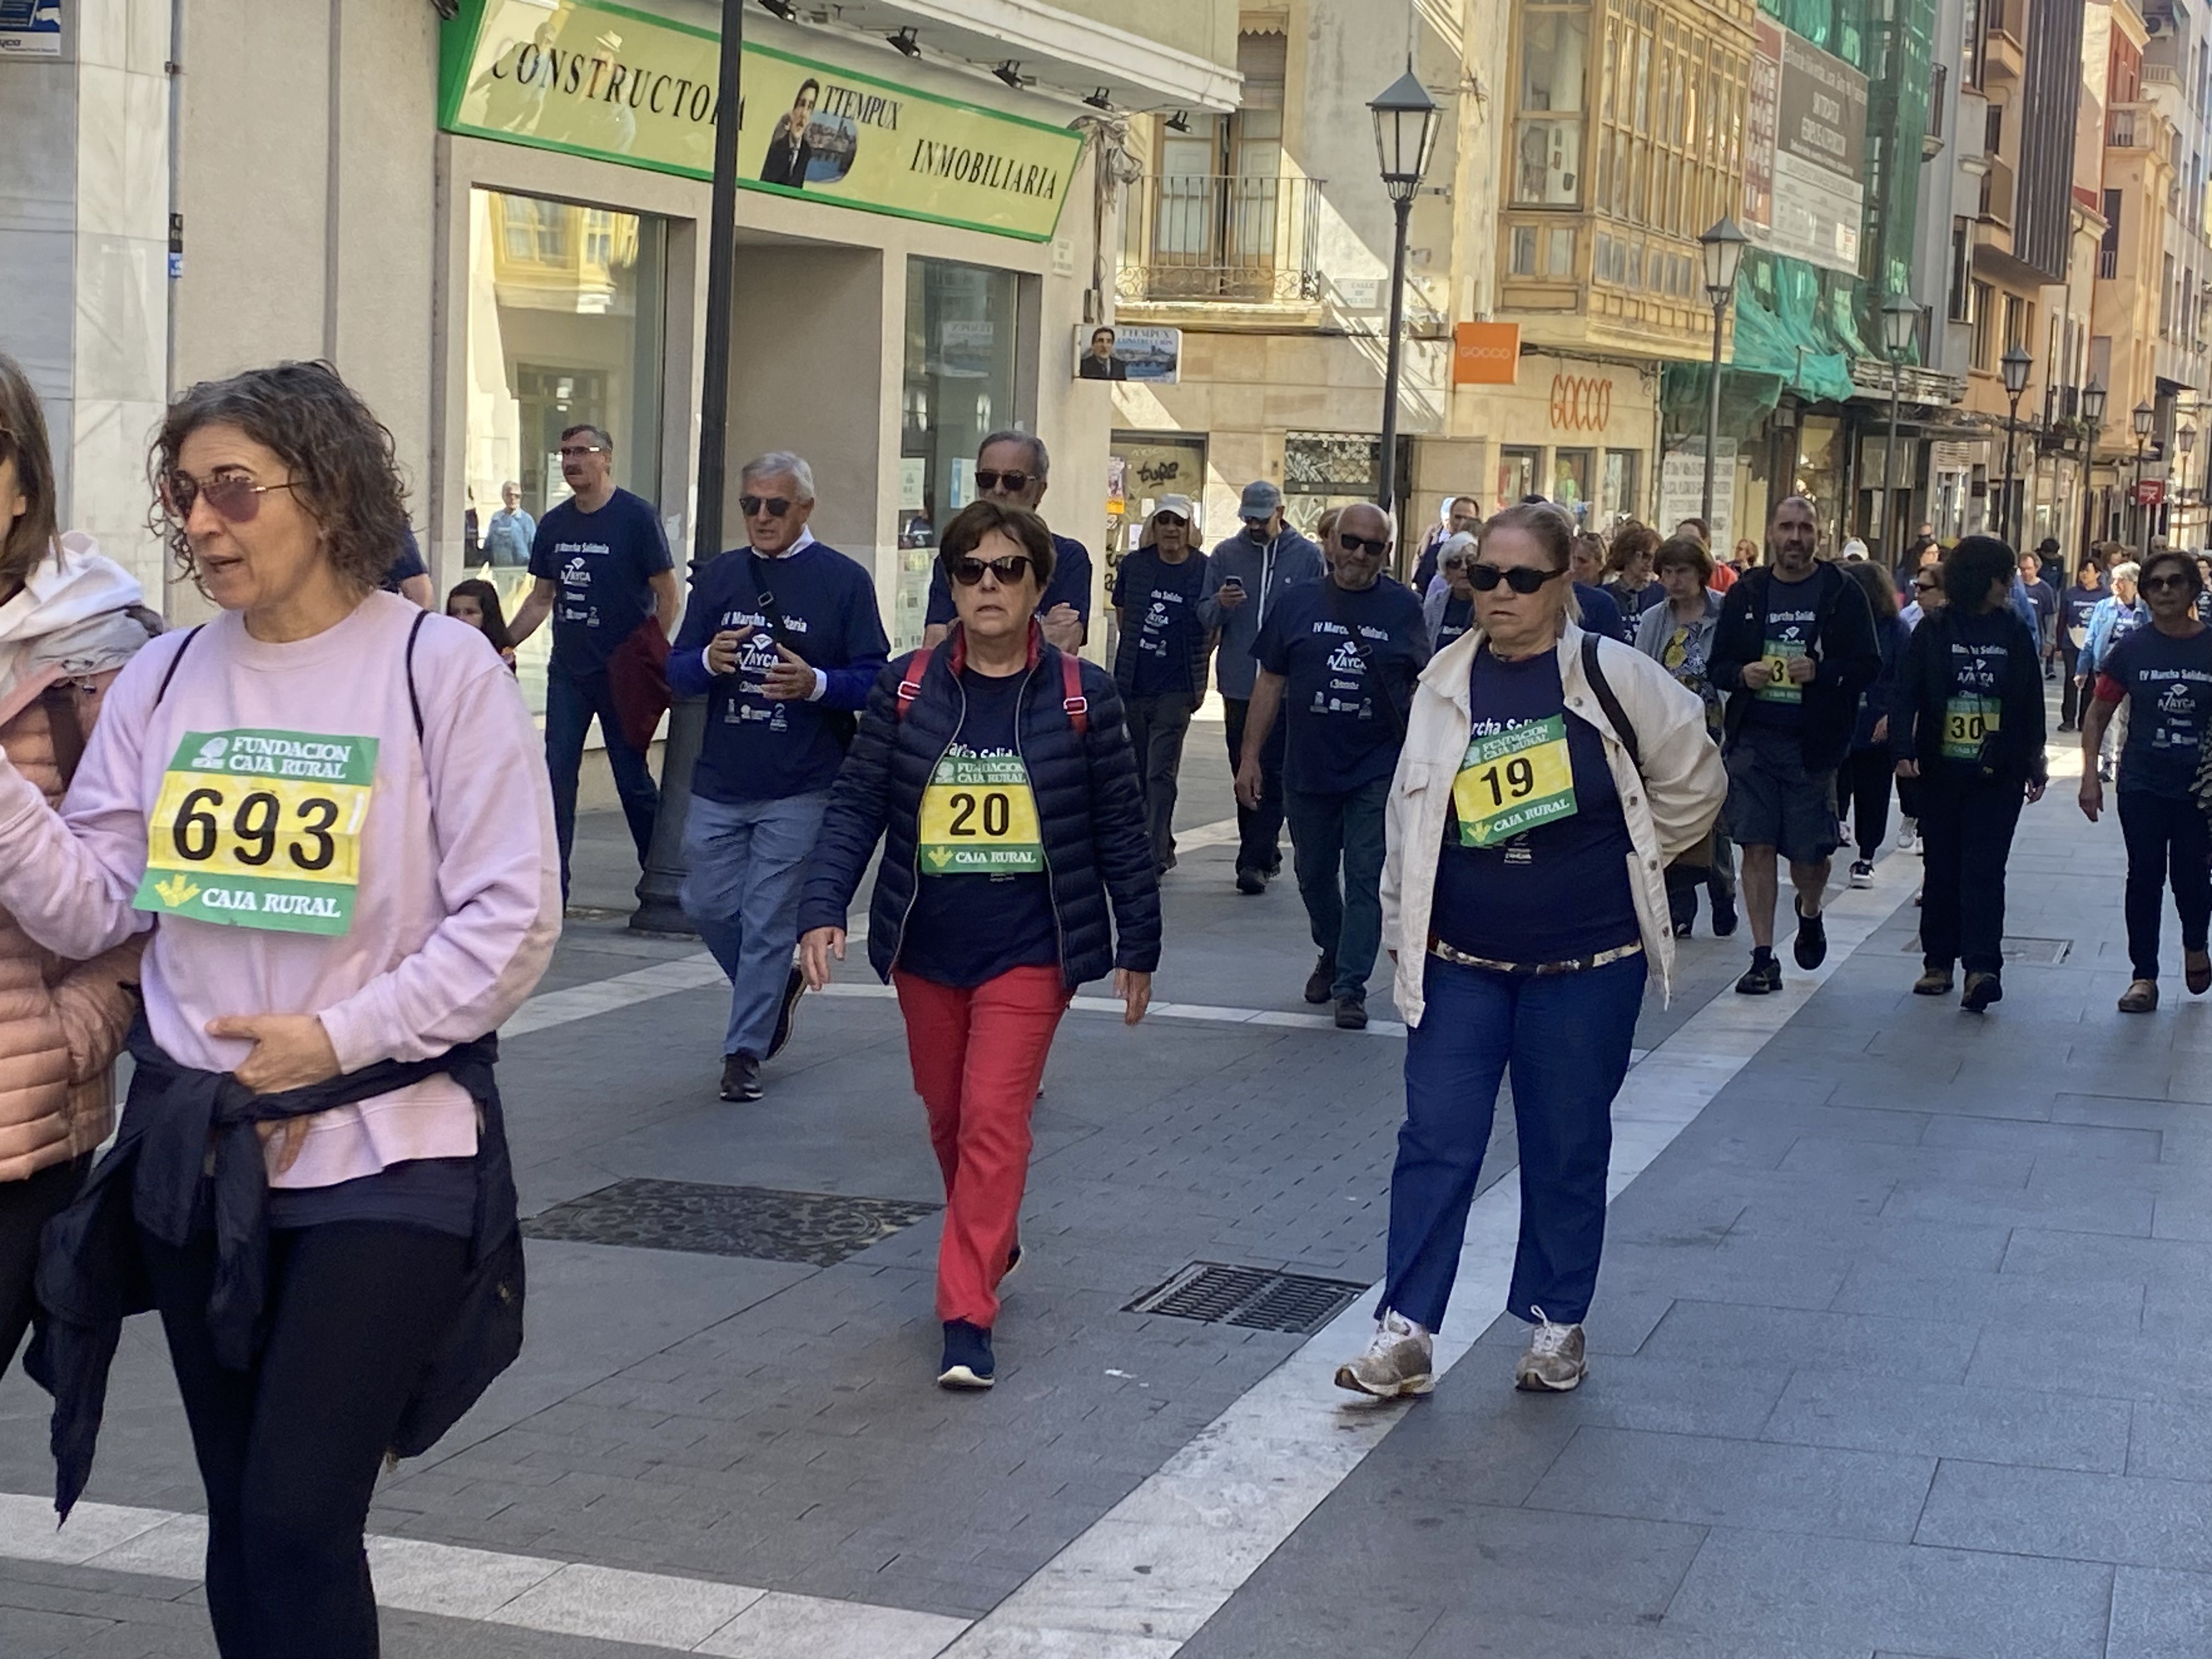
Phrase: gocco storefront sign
(620, 85)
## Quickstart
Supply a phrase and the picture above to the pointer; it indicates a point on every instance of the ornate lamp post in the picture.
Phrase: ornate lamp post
(1723, 246)
(1900, 322)
(2092, 417)
(2141, 420)
(2187, 439)
(2016, 367)
(1406, 122)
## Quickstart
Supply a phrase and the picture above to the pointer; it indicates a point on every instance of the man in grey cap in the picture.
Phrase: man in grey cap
(1250, 571)
(1159, 663)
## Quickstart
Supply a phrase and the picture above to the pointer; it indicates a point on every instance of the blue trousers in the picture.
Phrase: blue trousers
(1333, 831)
(572, 702)
(1566, 1037)
(746, 862)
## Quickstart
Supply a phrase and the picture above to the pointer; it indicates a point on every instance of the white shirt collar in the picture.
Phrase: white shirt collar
(806, 540)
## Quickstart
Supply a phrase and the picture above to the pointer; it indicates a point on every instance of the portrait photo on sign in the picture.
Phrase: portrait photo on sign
(1108, 351)
(807, 146)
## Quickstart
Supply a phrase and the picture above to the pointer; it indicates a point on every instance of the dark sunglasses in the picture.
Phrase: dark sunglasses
(1523, 578)
(968, 571)
(1176, 520)
(1926, 587)
(1358, 544)
(1013, 483)
(2161, 584)
(753, 506)
(238, 501)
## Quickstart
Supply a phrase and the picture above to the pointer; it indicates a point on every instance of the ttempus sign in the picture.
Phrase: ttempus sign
(604, 80)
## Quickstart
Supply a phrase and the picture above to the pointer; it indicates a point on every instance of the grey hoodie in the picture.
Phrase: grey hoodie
(1264, 568)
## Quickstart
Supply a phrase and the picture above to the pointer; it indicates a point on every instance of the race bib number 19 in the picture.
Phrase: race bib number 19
(260, 829)
(1510, 782)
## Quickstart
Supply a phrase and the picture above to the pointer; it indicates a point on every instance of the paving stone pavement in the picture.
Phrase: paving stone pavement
(1896, 1345)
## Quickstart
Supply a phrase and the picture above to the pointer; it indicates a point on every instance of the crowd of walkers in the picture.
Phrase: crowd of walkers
(300, 862)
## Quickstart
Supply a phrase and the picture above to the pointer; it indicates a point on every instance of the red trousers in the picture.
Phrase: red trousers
(978, 1057)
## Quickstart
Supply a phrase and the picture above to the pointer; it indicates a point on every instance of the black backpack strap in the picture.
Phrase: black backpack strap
(414, 700)
(1623, 727)
(170, 673)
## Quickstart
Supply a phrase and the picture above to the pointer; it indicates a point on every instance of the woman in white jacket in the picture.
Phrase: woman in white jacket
(1547, 779)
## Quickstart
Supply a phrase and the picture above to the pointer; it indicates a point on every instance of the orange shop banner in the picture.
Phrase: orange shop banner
(1486, 353)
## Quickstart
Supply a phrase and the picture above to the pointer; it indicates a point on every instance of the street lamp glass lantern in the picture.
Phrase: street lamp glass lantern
(1406, 123)
(2188, 439)
(2092, 403)
(1723, 246)
(2143, 416)
(1900, 323)
(2016, 368)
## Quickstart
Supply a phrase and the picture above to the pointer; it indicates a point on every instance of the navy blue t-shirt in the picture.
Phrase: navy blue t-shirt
(1554, 892)
(2168, 683)
(1345, 704)
(2073, 612)
(1458, 617)
(755, 749)
(1070, 585)
(967, 929)
(602, 564)
(406, 564)
(1162, 635)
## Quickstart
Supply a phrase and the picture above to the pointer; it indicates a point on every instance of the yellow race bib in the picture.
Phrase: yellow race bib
(1967, 721)
(979, 817)
(257, 828)
(1513, 781)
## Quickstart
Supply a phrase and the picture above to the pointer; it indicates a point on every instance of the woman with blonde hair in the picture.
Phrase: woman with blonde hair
(69, 619)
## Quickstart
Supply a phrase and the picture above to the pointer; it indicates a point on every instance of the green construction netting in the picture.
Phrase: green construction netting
(1798, 326)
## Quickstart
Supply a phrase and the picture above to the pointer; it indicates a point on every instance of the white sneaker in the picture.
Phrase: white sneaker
(1861, 874)
(1908, 830)
(1399, 1361)
(1553, 1363)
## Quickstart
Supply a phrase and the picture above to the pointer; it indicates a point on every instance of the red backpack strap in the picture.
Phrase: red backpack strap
(1072, 699)
(910, 682)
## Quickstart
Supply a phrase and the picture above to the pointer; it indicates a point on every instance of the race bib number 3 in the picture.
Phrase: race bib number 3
(1967, 721)
(260, 829)
(1511, 782)
(1778, 656)
(979, 818)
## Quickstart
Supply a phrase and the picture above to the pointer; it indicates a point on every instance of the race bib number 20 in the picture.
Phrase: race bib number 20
(979, 817)
(257, 828)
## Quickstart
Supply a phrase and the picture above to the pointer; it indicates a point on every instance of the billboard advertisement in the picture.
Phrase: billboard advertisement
(1804, 189)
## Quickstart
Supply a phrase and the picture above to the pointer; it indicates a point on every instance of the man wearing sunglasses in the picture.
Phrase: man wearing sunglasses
(1794, 647)
(2162, 674)
(1010, 468)
(1340, 658)
(784, 640)
(1251, 571)
(602, 573)
(1159, 659)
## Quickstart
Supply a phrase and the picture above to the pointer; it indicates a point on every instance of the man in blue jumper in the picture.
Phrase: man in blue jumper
(783, 640)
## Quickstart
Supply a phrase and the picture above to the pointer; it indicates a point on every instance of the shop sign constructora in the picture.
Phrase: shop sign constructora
(622, 85)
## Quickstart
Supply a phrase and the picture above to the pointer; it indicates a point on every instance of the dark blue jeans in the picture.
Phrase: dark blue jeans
(572, 702)
(1259, 828)
(1566, 1037)
(1341, 831)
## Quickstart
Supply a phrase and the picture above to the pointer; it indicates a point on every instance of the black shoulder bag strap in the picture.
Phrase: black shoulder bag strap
(1601, 689)
(843, 722)
(170, 673)
(1382, 691)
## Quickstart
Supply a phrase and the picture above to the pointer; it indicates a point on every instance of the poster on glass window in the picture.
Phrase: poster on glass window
(30, 28)
(1118, 352)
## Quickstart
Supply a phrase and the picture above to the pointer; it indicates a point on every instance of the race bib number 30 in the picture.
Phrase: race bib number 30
(979, 818)
(260, 829)
(1510, 783)
(1968, 721)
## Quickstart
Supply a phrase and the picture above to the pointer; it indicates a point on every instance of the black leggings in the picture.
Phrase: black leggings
(26, 1206)
(289, 1451)
(1863, 785)
(2070, 696)
(1966, 825)
(2165, 837)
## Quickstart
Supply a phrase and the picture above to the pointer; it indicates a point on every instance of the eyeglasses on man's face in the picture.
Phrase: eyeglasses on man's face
(1009, 483)
(754, 507)
(577, 452)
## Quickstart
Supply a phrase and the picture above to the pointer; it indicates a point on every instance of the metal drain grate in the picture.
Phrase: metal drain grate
(819, 1227)
(2031, 952)
(1255, 1299)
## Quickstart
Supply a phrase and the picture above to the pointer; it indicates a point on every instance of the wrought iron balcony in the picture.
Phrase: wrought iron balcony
(1199, 237)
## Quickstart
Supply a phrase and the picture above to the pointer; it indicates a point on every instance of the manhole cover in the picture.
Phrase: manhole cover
(820, 1228)
(2036, 952)
(1252, 1297)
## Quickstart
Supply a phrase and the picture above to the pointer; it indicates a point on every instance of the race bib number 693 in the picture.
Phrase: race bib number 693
(258, 828)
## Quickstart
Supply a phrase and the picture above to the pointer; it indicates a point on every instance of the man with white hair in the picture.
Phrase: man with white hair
(783, 639)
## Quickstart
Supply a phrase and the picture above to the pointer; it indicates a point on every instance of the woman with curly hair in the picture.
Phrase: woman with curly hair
(327, 807)
(1631, 574)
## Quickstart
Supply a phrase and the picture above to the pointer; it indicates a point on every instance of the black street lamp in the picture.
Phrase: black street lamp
(1406, 121)
(2141, 420)
(2016, 368)
(2093, 419)
(1900, 322)
(2186, 438)
(1723, 246)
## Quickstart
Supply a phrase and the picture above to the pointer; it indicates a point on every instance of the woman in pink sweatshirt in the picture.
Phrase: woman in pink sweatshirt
(331, 810)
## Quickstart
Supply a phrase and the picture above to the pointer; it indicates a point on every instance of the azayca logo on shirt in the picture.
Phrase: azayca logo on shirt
(2176, 694)
(1346, 692)
(751, 707)
(576, 575)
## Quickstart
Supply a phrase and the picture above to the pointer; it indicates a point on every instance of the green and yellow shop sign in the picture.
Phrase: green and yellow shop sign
(620, 85)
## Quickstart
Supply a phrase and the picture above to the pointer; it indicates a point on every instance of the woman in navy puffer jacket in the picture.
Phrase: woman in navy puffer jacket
(998, 772)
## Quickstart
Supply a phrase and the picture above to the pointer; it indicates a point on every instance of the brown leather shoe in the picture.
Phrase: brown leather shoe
(2140, 998)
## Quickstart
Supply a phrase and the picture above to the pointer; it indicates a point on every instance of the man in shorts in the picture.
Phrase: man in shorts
(1793, 649)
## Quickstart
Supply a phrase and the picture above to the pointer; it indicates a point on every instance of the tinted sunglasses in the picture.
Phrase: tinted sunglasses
(1360, 543)
(1920, 586)
(1013, 483)
(968, 571)
(1521, 578)
(237, 501)
(753, 506)
(1175, 519)
(2163, 584)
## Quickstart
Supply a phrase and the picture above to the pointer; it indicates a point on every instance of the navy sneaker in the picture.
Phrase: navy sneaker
(968, 1362)
(786, 1011)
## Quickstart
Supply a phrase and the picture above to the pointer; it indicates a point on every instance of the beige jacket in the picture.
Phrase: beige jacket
(1669, 808)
